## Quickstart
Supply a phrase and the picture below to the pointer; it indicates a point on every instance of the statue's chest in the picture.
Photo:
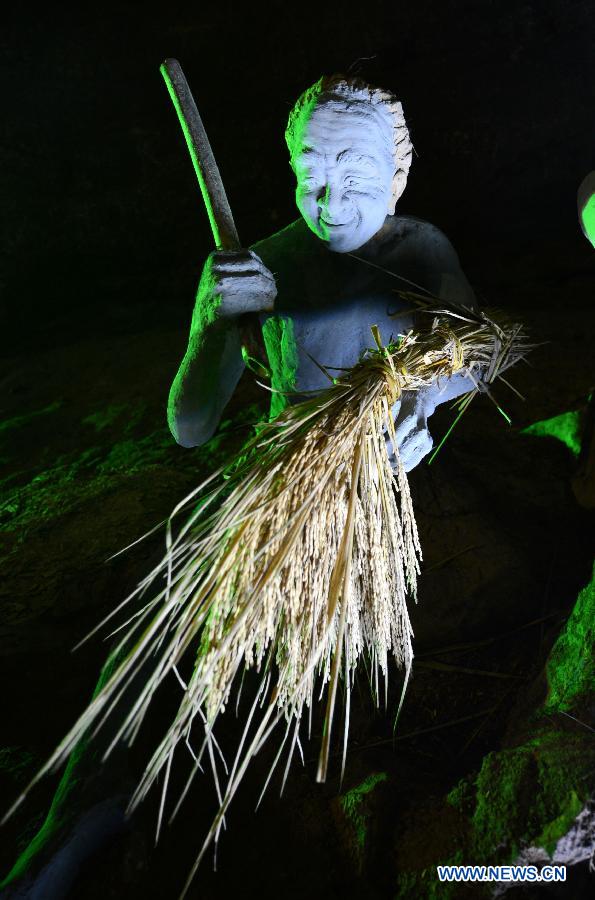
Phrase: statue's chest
(302, 343)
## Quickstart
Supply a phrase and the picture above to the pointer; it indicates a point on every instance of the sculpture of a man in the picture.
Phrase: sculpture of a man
(336, 271)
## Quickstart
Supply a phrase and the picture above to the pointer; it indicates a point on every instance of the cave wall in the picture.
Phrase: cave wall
(103, 228)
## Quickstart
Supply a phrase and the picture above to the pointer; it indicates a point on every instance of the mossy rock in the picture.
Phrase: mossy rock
(571, 665)
(358, 816)
(530, 794)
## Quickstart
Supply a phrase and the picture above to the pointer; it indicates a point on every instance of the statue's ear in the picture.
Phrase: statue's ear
(398, 186)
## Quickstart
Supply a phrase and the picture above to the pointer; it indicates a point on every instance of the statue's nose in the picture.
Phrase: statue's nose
(331, 203)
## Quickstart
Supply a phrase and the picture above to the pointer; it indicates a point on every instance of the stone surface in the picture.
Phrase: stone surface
(101, 239)
(505, 545)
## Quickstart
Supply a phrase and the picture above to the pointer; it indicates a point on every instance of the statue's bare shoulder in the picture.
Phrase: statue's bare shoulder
(400, 233)
(408, 237)
(406, 246)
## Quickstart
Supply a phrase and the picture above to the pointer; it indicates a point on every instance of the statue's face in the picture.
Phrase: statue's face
(344, 169)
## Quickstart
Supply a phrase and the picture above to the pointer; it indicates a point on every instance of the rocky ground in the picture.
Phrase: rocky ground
(494, 752)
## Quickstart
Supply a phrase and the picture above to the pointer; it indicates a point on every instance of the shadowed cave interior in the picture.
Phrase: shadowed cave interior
(104, 239)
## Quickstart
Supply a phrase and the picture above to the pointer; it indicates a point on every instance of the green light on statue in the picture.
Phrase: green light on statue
(588, 218)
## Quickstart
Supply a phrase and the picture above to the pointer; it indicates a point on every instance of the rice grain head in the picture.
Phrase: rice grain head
(296, 563)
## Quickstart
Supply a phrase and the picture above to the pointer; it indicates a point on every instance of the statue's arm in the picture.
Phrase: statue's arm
(444, 277)
(231, 284)
(205, 381)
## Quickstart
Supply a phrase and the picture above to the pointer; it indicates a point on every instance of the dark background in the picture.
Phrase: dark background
(103, 226)
(103, 238)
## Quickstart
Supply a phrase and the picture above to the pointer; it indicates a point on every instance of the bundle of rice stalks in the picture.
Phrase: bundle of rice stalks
(295, 563)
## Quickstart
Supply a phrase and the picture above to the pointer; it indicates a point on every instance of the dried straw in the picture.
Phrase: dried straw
(302, 565)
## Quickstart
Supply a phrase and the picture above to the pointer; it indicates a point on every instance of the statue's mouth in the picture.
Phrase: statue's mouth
(336, 224)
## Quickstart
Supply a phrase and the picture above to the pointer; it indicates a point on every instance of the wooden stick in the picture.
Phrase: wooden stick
(222, 224)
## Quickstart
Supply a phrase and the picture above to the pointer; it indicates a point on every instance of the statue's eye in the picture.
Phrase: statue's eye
(351, 182)
(307, 184)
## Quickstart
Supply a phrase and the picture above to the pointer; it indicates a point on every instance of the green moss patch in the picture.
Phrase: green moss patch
(565, 428)
(571, 666)
(16, 422)
(357, 810)
(530, 794)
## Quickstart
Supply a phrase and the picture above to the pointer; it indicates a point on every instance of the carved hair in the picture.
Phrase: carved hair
(341, 88)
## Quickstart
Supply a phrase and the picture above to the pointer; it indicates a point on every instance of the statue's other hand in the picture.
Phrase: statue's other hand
(414, 440)
(234, 283)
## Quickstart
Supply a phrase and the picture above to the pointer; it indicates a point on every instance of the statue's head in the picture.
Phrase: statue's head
(350, 150)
